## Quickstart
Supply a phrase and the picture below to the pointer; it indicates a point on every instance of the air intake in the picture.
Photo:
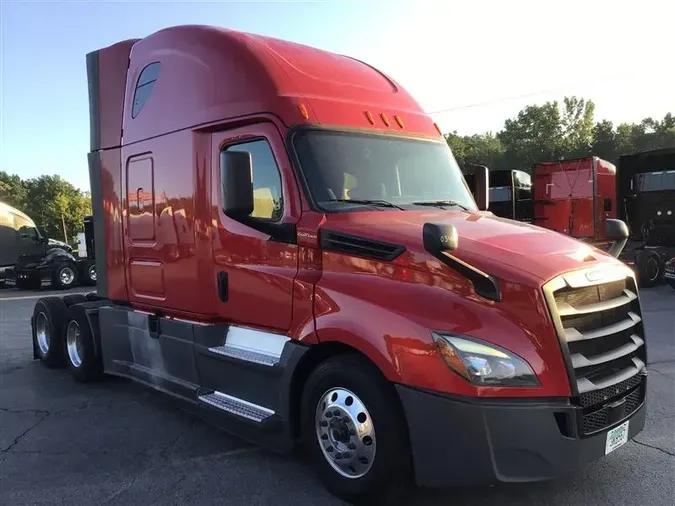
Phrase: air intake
(359, 246)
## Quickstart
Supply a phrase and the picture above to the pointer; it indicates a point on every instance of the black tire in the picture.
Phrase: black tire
(49, 315)
(88, 274)
(64, 276)
(73, 298)
(649, 269)
(392, 464)
(78, 347)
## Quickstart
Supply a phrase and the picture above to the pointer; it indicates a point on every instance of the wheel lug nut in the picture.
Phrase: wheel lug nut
(345, 419)
(347, 455)
(324, 423)
(351, 446)
(324, 436)
(338, 456)
(329, 414)
(329, 449)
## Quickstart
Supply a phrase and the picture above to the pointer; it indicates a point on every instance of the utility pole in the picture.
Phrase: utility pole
(63, 222)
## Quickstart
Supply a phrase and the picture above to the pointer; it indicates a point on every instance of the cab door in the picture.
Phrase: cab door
(256, 263)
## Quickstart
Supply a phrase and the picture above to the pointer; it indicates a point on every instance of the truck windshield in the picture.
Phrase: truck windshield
(656, 181)
(350, 170)
(500, 194)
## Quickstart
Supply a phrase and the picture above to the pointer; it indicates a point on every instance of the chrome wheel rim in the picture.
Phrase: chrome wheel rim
(74, 343)
(67, 276)
(42, 333)
(92, 273)
(346, 434)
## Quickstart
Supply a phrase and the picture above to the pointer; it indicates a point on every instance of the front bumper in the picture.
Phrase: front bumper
(669, 274)
(34, 273)
(472, 442)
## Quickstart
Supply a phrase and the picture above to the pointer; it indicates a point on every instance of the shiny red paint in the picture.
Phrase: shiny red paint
(403, 300)
(167, 237)
(571, 196)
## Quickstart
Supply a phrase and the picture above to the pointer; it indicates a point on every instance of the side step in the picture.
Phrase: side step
(236, 406)
(247, 355)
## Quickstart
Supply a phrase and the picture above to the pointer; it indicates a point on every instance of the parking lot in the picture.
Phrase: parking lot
(115, 443)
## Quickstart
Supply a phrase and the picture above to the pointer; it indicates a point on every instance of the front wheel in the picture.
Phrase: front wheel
(64, 276)
(354, 430)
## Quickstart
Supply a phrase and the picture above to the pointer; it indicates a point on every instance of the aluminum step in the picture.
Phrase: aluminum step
(246, 355)
(237, 406)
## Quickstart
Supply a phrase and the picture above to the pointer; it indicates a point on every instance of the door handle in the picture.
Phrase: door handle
(223, 289)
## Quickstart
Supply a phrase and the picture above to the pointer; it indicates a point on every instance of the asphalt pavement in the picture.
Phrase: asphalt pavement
(117, 443)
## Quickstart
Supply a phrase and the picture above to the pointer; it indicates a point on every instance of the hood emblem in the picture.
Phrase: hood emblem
(595, 275)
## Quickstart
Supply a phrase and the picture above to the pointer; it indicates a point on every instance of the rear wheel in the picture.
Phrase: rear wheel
(650, 269)
(84, 364)
(49, 320)
(354, 431)
(89, 273)
(64, 276)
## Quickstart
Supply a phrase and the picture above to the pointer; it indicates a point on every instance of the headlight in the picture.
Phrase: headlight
(483, 363)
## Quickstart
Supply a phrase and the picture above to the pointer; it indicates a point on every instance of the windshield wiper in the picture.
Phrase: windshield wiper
(440, 203)
(372, 202)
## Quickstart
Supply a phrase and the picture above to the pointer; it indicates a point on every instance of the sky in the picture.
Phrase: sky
(473, 64)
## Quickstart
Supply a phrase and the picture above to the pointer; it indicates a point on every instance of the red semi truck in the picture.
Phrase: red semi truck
(575, 197)
(335, 283)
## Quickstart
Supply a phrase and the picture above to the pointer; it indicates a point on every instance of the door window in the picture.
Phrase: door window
(267, 194)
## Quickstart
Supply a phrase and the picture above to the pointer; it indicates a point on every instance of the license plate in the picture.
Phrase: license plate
(616, 437)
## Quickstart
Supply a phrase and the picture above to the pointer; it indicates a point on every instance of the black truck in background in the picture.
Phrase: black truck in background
(645, 189)
(510, 193)
(55, 266)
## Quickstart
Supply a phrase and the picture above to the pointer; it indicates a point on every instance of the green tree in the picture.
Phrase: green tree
(12, 190)
(535, 134)
(577, 126)
(49, 198)
(551, 132)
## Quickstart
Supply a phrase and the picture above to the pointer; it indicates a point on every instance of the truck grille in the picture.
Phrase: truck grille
(599, 324)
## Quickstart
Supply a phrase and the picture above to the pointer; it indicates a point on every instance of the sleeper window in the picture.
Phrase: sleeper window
(267, 193)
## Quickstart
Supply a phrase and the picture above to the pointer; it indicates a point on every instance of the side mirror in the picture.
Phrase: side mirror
(439, 237)
(236, 178)
(616, 230)
(481, 178)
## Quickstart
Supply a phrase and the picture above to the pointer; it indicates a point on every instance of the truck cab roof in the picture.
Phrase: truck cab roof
(192, 76)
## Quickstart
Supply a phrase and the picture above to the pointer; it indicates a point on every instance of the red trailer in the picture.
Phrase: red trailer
(331, 280)
(575, 197)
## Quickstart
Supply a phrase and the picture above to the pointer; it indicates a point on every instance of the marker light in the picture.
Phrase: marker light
(303, 110)
(484, 364)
